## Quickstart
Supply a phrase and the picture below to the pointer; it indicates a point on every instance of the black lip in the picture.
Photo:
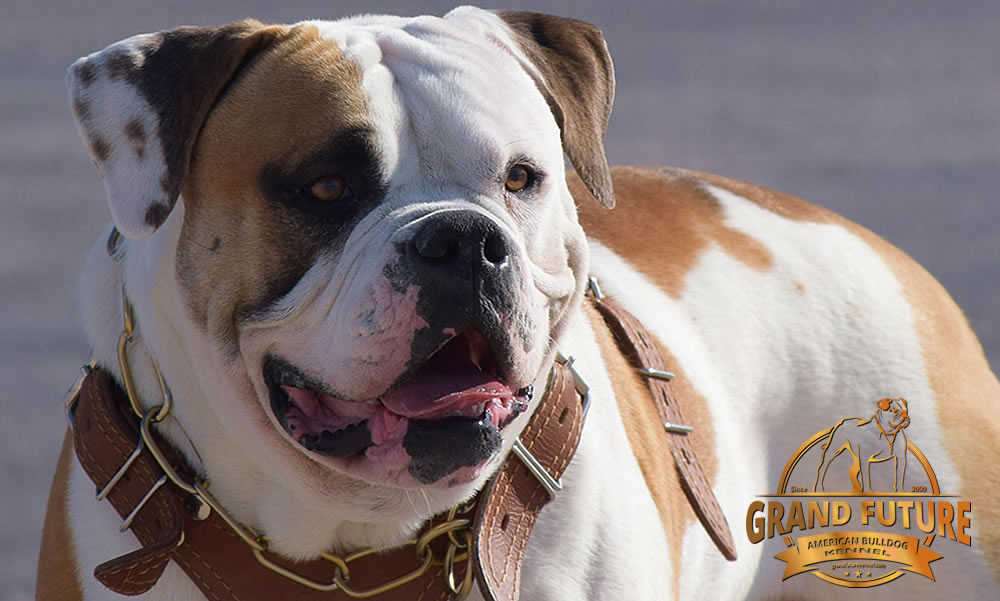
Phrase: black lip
(277, 371)
(432, 445)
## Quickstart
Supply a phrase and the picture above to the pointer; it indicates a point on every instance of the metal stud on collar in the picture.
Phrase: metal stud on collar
(657, 374)
(594, 288)
(680, 428)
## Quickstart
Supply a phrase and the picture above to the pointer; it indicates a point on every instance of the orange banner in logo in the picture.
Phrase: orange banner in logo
(834, 546)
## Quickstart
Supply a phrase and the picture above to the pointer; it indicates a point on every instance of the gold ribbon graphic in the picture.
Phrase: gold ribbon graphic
(834, 546)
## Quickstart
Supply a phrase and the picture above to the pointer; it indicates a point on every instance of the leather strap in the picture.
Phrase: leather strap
(515, 496)
(224, 568)
(104, 437)
(642, 351)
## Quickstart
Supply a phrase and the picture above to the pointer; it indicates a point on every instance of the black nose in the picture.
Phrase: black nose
(467, 271)
(465, 242)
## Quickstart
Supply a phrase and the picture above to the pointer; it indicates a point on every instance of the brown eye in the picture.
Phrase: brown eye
(518, 178)
(328, 189)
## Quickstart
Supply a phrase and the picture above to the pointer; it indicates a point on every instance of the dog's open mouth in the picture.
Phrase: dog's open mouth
(446, 417)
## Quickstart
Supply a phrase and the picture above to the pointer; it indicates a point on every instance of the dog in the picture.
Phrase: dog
(333, 224)
(881, 437)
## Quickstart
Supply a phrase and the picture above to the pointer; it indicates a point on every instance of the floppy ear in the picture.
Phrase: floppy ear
(578, 82)
(140, 103)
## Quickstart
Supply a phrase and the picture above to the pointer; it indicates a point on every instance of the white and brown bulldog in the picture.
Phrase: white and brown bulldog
(353, 251)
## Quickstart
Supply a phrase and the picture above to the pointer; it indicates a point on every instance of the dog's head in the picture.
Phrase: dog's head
(374, 251)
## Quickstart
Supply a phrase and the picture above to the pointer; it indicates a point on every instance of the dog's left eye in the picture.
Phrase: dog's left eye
(328, 189)
(519, 177)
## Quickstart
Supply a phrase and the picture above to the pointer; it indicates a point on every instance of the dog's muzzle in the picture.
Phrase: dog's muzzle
(440, 419)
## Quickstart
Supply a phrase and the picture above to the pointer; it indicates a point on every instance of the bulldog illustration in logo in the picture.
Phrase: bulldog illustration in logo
(879, 438)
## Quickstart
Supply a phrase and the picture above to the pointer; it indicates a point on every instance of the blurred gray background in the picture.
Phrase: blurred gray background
(887, 111)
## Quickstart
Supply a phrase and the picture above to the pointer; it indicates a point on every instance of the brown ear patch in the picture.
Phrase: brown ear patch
(157, 213)
(182, 80)
(86, 73)
(578, 82)
(141, 102)
(122, 64)
(101, 148)
(136, 135)
(81, 109)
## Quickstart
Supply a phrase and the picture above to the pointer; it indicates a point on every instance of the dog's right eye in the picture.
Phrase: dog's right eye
(328, 189)
(519, 177)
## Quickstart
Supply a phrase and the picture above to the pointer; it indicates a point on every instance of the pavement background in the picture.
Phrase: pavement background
(888, 112)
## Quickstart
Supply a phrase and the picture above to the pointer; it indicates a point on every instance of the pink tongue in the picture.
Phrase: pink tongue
(433, 391)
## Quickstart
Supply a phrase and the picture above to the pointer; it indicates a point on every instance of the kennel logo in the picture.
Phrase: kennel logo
(863, 501)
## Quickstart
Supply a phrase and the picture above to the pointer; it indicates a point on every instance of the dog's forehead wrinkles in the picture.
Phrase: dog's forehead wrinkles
(430, 84)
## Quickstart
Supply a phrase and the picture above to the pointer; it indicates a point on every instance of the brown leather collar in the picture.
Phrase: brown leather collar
(483, 541)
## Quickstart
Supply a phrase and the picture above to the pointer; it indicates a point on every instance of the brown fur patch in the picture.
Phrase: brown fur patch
(58, 576)
(86, 73)
(157, 213)
(967, 391)
(663, 222)
(776, 202)
(101, 148)
(136, 136)
(285, 107)
(81, 109)
(648, 440)
(120, 65)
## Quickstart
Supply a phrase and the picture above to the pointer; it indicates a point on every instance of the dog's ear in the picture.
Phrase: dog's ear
(140, 103)
(577, 79)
